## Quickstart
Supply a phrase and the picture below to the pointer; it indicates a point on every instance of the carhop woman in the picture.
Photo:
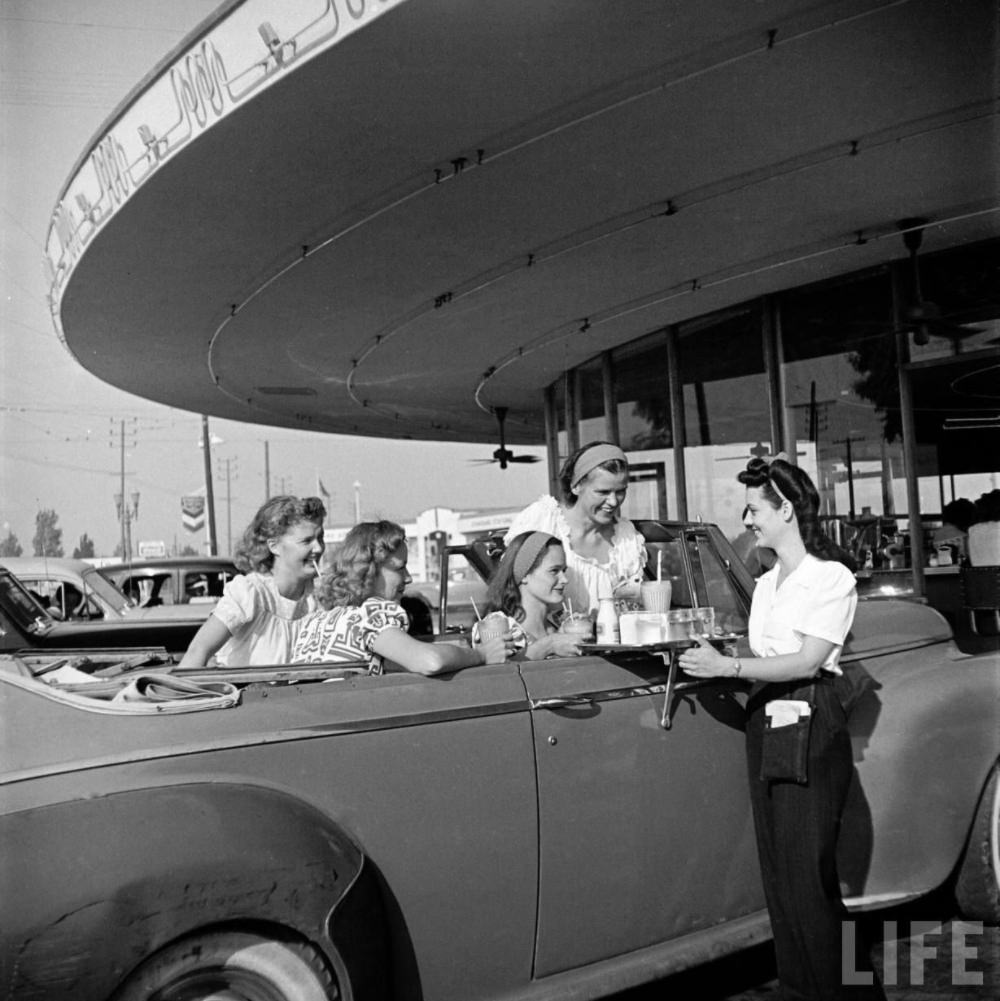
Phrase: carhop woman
(798, 749)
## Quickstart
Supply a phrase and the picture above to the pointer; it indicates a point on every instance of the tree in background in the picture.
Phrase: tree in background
(10, 546)
(48, 535)
(189, 551)
(85, 550)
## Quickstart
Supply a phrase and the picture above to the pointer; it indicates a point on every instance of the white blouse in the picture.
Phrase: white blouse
(818, 598)
(263, 623)
(588, 580)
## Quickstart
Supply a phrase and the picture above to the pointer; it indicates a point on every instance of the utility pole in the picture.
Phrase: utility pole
(357, 503)
(213, 548)
(122, 513)
(127, 513)
(229, 504)
(267, 470)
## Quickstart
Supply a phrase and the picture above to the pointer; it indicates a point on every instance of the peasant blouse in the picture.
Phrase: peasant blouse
(588, 580)
(262, 622)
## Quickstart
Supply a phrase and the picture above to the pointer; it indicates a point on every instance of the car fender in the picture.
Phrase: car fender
(925, 740)
(129, 872)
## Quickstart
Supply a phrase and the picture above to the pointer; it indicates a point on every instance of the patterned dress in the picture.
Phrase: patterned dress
(348, 633)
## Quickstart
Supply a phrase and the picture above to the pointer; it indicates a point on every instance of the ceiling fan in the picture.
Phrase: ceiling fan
(504, 455)
(924, 318)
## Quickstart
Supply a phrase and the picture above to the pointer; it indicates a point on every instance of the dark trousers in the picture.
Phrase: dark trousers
(797, 827)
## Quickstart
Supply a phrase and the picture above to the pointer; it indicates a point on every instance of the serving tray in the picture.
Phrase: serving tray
(661, 647)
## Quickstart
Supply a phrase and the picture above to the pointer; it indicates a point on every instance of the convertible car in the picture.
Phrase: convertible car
(556, 829)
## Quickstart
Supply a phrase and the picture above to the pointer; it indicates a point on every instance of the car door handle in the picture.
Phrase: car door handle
(562, 701)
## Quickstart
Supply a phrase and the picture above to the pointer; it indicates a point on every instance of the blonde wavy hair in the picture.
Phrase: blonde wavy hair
(355, 563)
(274, 518)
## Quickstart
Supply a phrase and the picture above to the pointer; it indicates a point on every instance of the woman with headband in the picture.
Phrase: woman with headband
(605, 553)
(527, 586)
(363, 619)
(798, 749)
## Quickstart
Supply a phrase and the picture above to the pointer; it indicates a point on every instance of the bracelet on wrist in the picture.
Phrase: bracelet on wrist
(739, 667)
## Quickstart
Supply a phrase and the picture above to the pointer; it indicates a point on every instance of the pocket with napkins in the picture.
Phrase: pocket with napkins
(785, 712)
(785, 748)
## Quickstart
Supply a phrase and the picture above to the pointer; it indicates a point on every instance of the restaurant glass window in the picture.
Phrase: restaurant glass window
(954, 373)
(559, 405)
(841, 390)
(726, 411)
(590, 402)
(643, 395)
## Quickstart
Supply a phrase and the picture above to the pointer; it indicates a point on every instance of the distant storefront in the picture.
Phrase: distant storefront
(436, 527)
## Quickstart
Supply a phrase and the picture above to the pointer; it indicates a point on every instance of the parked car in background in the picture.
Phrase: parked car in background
(565, 828)
(462, 579)
(26, 625)
(190, 581)
(76, 590)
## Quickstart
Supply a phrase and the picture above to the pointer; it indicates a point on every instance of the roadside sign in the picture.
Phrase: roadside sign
(152, 549)
(193, 512)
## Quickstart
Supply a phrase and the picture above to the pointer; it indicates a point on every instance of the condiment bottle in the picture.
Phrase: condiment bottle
(607, 622)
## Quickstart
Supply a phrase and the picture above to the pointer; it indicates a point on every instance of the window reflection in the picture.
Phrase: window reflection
(726, 412)
(643, 392)
(590, 402)
(841, 385)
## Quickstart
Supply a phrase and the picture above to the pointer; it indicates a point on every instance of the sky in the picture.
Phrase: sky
(65, 65)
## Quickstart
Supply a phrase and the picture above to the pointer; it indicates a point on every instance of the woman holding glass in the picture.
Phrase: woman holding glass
(605, 553)
(527, 588)
(798, 749)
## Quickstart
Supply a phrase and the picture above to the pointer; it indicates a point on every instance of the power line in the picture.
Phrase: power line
(91, 24)
(34, 330)
(24, 229)
(47, 463)
(24, 288)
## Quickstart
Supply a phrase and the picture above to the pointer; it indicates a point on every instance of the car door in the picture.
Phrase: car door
(645, 833)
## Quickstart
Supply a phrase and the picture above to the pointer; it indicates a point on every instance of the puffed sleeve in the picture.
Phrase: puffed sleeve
(380, 615)
(829, 611)
(632, 549)
(241, 602)
(539, 516)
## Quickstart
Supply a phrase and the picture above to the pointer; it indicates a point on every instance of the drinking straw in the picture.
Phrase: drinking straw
(569, 601)
(659, 564)
(479, 618)
(316, 568)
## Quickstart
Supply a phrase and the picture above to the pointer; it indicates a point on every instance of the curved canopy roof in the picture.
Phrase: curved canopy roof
(388, 217)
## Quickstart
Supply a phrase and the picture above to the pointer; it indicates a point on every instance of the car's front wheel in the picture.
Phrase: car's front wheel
(977, 888)
(236, 966)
